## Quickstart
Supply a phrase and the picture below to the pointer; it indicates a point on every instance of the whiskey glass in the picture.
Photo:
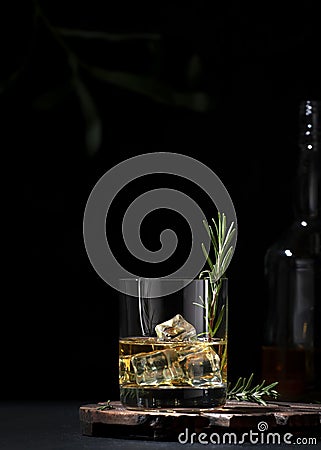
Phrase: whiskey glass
(173, 346)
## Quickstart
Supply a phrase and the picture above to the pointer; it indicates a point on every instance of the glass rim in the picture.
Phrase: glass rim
(170, 279)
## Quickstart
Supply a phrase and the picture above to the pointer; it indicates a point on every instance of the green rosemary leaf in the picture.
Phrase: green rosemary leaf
(210, 329)
(227, 246)
(198, 304)
(223, 359)
(258, 387)
(219, 320)
(207, 257)
(202, 274)
(226, 259)
(223, 229)
(219, 232)
(214, 242)
(216, 228)
(270, 386)
(211, 235)
(230, 233)
(249, 381)
(234, 389)
(202, 334)
(104, 406)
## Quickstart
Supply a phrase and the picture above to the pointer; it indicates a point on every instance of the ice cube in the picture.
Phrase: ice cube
(185, 350)
(202, 367)
(175, 329)
(158, 367)
(125, 370)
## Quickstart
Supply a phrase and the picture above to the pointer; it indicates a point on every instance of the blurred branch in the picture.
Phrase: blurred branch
(5, 85)
(12, 79)
(137, 83)
(152, 88)
(111, 37)
(93, 129)
(148, 86)
(52, 97)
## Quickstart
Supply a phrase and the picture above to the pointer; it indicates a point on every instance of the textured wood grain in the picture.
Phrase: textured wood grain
(299, 419)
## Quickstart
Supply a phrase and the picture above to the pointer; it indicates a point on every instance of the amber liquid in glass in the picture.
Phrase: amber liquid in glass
(155, 374)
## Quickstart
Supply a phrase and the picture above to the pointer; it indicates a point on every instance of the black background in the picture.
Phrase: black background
(63, 128)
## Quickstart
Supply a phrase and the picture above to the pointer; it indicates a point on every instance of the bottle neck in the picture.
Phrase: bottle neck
(308, 181)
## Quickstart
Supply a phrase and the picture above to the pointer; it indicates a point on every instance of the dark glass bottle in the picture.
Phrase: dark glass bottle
(292, 331)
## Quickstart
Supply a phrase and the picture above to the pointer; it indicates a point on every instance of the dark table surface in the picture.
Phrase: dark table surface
(55, 426)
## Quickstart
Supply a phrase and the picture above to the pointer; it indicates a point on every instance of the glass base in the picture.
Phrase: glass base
(173, 398)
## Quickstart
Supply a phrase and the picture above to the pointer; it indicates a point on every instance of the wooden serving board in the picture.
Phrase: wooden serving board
(299, 419)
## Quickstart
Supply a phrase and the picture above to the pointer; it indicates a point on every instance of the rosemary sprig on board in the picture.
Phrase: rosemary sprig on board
(104, 406)
(244, 391)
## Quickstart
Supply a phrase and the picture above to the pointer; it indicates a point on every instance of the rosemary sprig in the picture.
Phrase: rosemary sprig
(103, 406)
(221, 239)
(244, 391)
(223, 251)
